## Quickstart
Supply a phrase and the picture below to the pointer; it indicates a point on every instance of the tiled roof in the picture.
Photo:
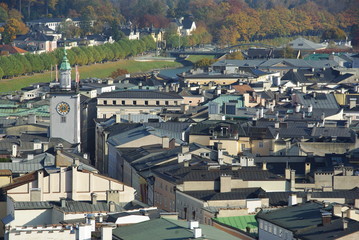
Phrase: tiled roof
(11, 49)
(141, 94)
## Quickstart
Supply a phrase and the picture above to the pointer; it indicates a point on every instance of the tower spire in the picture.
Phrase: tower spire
(65, 73)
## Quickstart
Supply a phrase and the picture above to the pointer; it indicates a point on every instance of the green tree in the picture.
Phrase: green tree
(1, 73)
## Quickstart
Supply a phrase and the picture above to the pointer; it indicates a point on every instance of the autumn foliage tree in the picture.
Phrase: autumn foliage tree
(118, 72)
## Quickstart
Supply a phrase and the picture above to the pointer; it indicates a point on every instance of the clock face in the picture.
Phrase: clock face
(63, 108)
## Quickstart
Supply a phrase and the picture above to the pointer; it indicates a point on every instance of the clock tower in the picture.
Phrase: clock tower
(65, 106)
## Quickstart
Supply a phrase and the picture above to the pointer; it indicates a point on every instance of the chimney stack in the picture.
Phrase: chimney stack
(326, 218)
(165, 142)
(93, 198)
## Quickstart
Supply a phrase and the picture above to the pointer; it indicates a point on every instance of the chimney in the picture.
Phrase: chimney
(106, 231)
(84, 231)
(197, 232)
(310, 108)
(326, 218)
(264, 166)
(165, 142)
(185, 148)
(184, 108)
(292, 199)
(307, 168)
(352, 103)
(14, 150)
(292, 180)
(193, 224)
(287, 173)
(100, 218)
(225, 183)
(93, 198)
(90, 219)
(261, 112)
(111, 206)
(345, 224)
(112, 196)
(63, 202)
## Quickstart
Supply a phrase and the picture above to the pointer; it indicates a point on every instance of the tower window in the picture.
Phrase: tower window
(105, 102)
(166, 103)
(114, 102)
(123, 102)
(63, 119)
(146, 102)
(157, 102)
(134, 102)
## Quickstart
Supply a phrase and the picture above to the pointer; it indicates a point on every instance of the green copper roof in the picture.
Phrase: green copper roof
(239, 222)
(65, 64)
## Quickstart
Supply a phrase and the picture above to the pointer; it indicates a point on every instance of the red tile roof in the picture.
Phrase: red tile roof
(242, 88)
(11, 49)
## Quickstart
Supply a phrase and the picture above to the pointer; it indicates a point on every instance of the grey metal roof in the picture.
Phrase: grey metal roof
(294, 218)
(271, 63)
(334, 230)
(143, 131)
(32, 205)
(319, 100)
(83, 206)
(38, 162)
(234, 194)
(332, 131)
(141, 94)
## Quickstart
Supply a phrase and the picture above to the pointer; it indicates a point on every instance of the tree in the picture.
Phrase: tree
(204, 62)
(235, 55)
(11, 29)
(1, 73)
(119, 72)
(333, 34)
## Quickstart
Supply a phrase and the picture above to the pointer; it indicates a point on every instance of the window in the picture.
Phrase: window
(134, 102)
(176, 103)
(300, 44)
(114, 102)
(105, 102)
(123, 102)
(166, 103)
(146, 102)
(260, 144)
(243, 146)
(63, 119)
(157, 102)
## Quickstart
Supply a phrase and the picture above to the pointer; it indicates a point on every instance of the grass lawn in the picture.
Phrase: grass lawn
(195, 58)
(94, 70)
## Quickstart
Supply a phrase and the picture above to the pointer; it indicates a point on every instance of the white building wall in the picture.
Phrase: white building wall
(41, 234)
(269, 231)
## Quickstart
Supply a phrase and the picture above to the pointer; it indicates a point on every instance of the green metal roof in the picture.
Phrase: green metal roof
(65, 64)
(229, 98)
(239, 222)
(42, 111)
